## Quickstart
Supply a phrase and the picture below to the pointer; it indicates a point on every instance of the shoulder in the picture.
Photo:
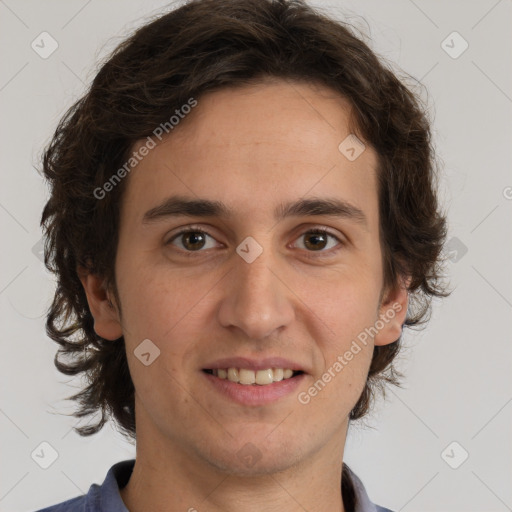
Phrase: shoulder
(77, 504)
(86, 503)
(100, 498)
(90, 502)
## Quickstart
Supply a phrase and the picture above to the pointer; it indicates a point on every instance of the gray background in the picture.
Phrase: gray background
(458, 369)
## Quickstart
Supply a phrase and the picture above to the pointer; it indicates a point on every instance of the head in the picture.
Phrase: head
(245, 103)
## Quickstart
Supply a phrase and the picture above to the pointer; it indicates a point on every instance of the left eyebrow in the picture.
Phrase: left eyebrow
(176, 206)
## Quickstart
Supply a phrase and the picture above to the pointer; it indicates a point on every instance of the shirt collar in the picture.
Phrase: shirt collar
(107, 498)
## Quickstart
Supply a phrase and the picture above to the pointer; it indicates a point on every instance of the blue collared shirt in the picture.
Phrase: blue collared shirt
(106, 497)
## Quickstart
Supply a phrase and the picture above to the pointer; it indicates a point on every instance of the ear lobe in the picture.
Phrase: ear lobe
(392, 313)
(107, 323)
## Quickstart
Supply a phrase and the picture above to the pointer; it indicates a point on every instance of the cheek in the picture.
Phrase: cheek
(334, 391)
(160, 317)
(343, 303)
(156, 303)
(344, 310)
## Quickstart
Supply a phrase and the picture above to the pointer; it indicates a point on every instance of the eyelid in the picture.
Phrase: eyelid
(188, 229)
(309, 230)
(323, 230)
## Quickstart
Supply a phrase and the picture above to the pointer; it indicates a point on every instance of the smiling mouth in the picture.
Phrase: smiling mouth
(248, 377)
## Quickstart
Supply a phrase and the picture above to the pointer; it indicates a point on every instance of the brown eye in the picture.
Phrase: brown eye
(316, 240)
(191, 240)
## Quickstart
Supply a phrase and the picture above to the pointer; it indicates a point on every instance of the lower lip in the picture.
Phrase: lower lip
(255, 394)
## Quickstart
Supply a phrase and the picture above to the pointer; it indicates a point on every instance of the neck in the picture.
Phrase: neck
(167, 477)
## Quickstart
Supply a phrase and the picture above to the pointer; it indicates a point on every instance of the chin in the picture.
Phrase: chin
(267, 465)
(256, 455)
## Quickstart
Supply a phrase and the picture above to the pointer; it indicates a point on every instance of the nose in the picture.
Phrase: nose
(257, 298)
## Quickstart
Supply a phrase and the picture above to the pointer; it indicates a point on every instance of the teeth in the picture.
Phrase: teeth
(278, 374)
(233, 374)
(264, 377)
(248, 377)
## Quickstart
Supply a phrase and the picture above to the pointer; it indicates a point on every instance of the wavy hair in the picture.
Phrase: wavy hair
(202, 46)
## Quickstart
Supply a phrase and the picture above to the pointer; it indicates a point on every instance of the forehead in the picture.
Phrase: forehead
(254, 146)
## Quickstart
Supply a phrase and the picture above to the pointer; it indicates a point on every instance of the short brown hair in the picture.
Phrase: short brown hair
(200, 47)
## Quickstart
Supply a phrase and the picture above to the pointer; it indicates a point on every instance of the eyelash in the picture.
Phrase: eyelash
(313, 231)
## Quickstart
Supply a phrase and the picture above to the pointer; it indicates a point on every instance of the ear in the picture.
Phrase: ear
(107, 322)
(392, 313)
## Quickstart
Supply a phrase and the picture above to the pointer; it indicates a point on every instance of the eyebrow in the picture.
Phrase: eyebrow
(176, 206)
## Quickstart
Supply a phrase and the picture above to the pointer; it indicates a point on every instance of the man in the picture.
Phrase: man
(243, 218)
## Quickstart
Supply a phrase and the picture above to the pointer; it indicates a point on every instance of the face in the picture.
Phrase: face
(243, 282)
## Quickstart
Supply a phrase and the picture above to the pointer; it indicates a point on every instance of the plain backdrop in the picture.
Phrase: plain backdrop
(443, 442)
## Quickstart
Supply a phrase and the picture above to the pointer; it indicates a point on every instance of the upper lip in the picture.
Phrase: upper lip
(254, 364)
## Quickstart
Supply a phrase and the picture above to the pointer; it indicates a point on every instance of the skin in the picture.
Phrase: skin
(252, 148)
